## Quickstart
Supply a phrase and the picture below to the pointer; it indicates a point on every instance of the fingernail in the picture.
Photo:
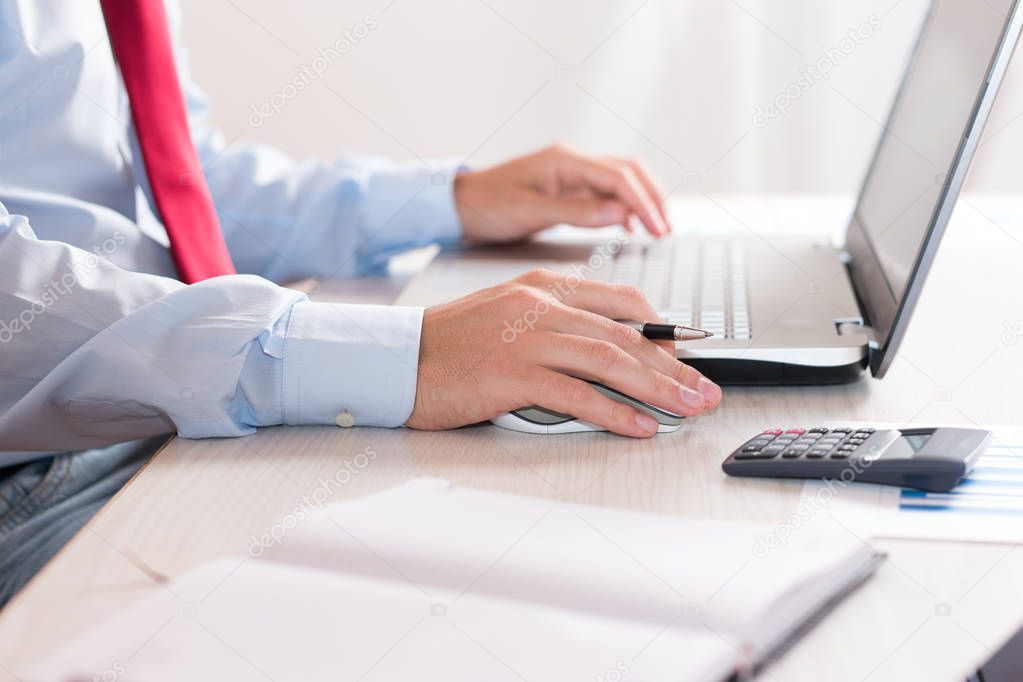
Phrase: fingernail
(646, 422)
(711, 391)
(691, 397)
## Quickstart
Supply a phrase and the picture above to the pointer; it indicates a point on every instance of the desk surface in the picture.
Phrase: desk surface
(197, 500)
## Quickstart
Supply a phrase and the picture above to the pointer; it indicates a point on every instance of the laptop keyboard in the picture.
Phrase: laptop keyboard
(697, 284)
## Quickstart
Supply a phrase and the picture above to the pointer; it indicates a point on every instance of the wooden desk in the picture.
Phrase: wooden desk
(197, 500)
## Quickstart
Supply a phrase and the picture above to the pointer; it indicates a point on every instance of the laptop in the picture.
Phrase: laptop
(786, 309)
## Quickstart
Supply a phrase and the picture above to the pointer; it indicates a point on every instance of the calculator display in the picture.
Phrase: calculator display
(907, 445)
(916, 440)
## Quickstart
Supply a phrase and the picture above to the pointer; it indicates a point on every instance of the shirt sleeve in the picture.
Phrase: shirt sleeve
(329, 363)
(92, 354)
(285, 220)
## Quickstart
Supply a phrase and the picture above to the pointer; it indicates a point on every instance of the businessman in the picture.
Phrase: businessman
(140, 258)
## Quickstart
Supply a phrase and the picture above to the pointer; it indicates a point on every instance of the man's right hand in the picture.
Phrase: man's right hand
(534, 341)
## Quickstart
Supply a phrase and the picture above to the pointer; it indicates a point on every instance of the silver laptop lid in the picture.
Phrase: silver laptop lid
(922, 159)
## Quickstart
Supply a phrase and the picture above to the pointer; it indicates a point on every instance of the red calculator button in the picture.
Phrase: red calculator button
(799, 431)
(772, 432)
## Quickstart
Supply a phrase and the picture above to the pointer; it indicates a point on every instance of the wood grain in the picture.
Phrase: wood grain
(203, 499)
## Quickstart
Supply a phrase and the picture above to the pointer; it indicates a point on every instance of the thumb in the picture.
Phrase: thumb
(581, 211)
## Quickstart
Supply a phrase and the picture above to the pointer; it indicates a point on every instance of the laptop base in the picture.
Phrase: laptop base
(731, 372)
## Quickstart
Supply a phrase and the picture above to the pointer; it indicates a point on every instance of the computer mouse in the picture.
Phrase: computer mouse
(541, 420)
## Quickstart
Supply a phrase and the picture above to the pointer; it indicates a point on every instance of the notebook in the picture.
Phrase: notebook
(436, 580)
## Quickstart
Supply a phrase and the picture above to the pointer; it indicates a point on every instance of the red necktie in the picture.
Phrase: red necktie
(141, 43)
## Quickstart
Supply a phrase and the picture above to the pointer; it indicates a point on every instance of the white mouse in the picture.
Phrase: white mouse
(541, 420)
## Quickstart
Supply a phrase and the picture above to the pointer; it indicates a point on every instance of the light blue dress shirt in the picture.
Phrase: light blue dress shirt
(99, 343)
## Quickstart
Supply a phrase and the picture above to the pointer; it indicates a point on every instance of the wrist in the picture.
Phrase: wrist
(469, 204)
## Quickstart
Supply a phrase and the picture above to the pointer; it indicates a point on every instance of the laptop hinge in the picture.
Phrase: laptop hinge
(855, 325)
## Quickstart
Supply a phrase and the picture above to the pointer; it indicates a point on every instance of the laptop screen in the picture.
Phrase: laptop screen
(921, 159)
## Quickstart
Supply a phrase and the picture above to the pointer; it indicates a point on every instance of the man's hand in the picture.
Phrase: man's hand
(557, 185)
(533, 340)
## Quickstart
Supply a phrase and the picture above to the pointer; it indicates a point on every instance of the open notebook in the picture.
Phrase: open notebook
(430, 579)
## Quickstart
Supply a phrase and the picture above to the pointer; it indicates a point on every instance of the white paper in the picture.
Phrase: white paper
(433, 580)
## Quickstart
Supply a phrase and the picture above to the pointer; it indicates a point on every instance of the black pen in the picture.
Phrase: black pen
(656, 331)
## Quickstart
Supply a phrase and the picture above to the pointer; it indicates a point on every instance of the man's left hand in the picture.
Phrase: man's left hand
(557, 185)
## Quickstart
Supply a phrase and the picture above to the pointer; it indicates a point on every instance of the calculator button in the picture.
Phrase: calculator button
(772, 450)
(806, 441)
(818, 429)
(798, 447)
(817, 453)
(846, 448)
(866, 431)
(841, 430)
(839, 455)
(793, 454)
(771, 432)
(798, 432)
(763, 454)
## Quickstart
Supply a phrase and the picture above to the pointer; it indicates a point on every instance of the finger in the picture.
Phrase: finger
(589, 308)
(622, 184)
(595, 360)
(581, 211)
(649, 182)
(573, 396)
(617, 302)
(650, 354)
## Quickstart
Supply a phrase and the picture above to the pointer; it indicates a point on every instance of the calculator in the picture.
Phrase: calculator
(932, 459)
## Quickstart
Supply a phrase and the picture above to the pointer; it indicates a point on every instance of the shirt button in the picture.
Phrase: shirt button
(345, 420)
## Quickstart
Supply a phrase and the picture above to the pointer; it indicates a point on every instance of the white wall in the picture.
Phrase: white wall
(676, 81)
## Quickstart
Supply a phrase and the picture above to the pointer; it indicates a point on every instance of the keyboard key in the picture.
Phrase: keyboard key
(817, 453)
(839, 455)
(772, 450)
(846, 448)
(818, 429)
(793, 454)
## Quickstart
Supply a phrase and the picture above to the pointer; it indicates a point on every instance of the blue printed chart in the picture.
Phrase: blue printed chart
(995, 487)
(987, 506)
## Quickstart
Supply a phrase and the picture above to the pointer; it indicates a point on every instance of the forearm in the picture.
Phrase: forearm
(284, 220)
(119, 355)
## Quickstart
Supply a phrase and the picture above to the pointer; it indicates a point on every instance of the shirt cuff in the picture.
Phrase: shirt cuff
(354, 365)
(415, 204)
